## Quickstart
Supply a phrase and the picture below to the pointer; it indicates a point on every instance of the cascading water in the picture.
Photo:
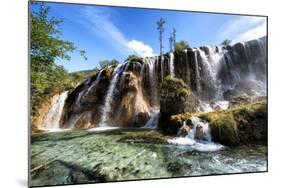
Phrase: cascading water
(152, 80)
(171, 64)
(243, 67)
(197, 75)
(198, 137)
(108, 98)
(210, 107)
(215, 74)
(153, 121)
(188, 78)
(95, 83)
(81, 94)
(162, 67)
(52, 119)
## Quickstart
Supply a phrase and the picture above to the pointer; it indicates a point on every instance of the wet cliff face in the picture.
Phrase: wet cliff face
(90, 105)
(37, 121)
(128, 94)
(243, 69)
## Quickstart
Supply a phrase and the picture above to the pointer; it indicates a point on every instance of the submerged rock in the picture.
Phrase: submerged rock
(60, 172)
(184, 131)
(151, 137)
(199, 134)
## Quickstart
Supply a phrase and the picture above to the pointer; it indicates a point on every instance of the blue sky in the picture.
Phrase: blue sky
(115, 32)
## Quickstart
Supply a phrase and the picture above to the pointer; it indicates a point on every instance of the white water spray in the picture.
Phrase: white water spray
(204, 143)
(153, 121)
(109, 96)
(52, 119)
(95, 83)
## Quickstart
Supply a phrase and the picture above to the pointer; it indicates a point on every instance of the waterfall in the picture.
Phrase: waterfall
(187, 69)
(198, 124)
(153, 80)
(197, 75)
(210, 60)
(243, 67)
(162, 67)
(52, 119)
(153, 120)
(81, 93)
(126, 65)
(198, 137)
(109, 96)
(95, 83)
(171, 64)
(210, 107)
(214, 74)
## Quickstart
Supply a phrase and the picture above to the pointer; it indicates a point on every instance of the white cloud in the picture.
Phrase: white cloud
(140, 48)
(244, 28)
(253, 33)
(99, 21)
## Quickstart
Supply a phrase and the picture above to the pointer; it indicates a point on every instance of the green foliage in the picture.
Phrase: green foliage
(46, 47)
(176, 97)
(106, 63)
(246, 123)
(226, 42)
(181, 45)
(81, 75)
(223, 127)
(135, 58)
(172, 86)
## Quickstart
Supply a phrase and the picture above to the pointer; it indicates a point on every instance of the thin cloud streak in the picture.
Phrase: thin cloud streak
(253, 33)
(100, 24)
(243, 29)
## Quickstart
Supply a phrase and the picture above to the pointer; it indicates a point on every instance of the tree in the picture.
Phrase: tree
(160, 27)
(174, 38)
(226, 42)
(46, 46)
(181, 45)
(106, 63)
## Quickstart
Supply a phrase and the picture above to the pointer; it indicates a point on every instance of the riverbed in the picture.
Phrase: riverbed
(87, 156)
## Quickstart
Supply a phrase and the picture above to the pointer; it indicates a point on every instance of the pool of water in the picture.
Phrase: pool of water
(77, 156)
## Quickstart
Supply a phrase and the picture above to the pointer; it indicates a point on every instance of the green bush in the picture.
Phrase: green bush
(176, 97)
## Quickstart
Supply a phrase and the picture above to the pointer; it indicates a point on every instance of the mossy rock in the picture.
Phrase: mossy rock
(252, 122)
(145, 137)
(223, 128)
(175, 98)
(179, 118)
(246, 124)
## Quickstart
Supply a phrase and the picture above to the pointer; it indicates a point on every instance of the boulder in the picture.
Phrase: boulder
(184, 131)
(175, 98)
(246, 124)
(199, 134)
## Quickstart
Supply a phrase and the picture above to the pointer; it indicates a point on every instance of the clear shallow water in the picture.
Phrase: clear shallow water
(126, 154)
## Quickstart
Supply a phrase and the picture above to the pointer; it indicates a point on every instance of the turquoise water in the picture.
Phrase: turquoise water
(78, 156)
